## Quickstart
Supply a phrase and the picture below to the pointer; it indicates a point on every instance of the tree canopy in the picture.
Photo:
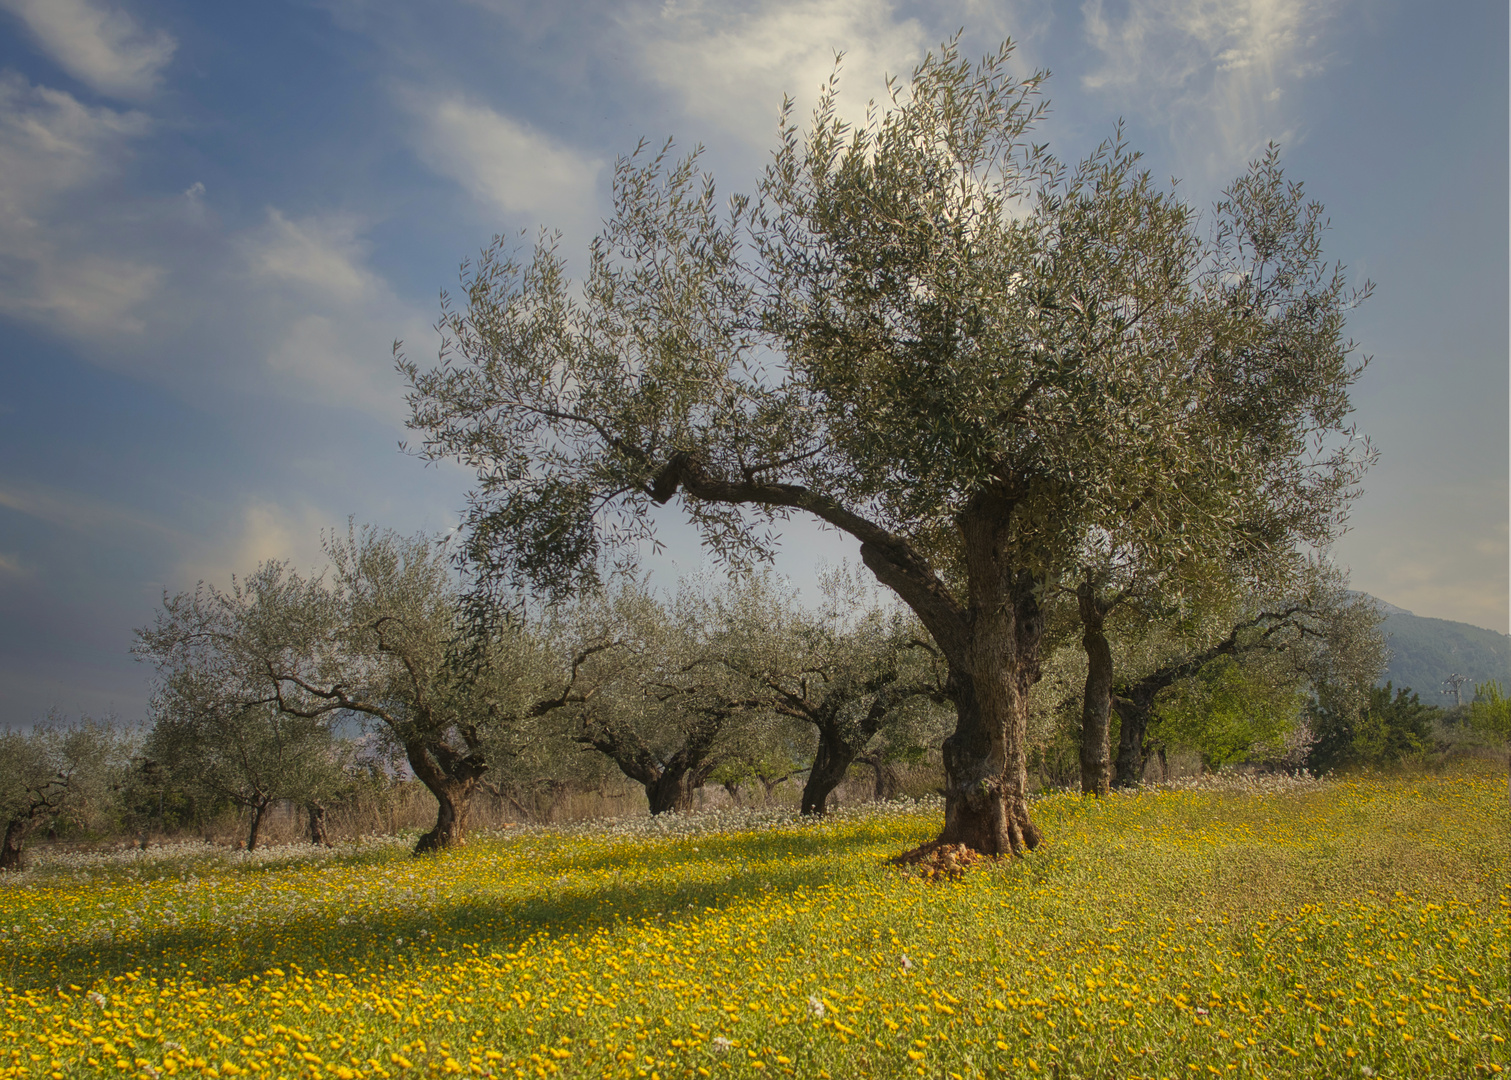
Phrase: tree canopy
(928, 332)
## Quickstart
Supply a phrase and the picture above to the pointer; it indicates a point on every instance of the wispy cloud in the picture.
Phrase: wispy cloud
(261, 532)
(53, 149)
(319, 254)
(83, 514)
(1218, 71)
(337, 318)
(100, 46)
(502, 162)
(733, 64)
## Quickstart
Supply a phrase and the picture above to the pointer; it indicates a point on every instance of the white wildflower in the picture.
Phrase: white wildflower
(907, 965)
(96, 998)
(720, 1044)
(815, 1007)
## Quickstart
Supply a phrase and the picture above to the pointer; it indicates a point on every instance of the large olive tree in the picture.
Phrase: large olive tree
(925, 332)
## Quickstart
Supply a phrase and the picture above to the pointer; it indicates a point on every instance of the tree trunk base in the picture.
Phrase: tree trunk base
(990, 823)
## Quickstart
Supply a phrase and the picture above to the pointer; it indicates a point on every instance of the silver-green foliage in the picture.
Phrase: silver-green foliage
(59, 774)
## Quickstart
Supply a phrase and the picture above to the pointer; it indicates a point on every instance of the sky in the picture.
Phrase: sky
(216, 219)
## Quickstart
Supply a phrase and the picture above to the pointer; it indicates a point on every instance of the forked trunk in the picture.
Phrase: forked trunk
(317, 824)
(830, 764)
(259, 811)
(1096, 702)
(15, 838)
(453, 800)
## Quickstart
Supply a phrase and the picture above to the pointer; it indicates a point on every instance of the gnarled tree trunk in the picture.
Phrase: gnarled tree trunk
(452, 778)
(259, 811)
(830, 763)
(1133, 727)
(672, 791)
(985, 761)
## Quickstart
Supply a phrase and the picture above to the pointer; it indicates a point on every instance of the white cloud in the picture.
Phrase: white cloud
(52, 150)
(319, 254)
(337, 318)
(733, 66)
(263, 531)
(103, 48)
(502, 162)
(1216, 70)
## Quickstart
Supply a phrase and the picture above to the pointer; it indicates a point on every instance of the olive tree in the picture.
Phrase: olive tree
(862, 675)
(665, 710)
(1318, 640)
(926, 332)
(381, 637)
(251, 755)
(57, 772)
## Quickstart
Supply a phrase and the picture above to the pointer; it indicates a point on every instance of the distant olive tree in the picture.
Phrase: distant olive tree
(249, 755)
(928, 333)
(57, 773)
(381, 637)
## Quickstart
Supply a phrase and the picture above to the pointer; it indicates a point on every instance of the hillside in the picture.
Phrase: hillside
(1425, 651)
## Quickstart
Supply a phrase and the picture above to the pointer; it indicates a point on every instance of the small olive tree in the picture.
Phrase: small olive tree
(927, 333)
(382, 637)
(57, 773)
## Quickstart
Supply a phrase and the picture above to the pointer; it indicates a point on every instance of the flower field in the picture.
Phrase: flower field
(1300, 929)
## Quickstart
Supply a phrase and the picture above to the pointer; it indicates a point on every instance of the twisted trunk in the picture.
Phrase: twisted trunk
(830, 763)
(1133, 728)
(672, 791)
(1096, 701)
(985, 764)
(452, 778)
(259, 810)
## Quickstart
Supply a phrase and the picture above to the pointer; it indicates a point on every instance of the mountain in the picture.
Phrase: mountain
(1425, 651)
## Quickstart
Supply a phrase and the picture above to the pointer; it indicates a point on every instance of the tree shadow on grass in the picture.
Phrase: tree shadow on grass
(776, 865)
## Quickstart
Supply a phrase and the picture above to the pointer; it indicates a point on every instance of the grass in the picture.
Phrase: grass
(1328, 930)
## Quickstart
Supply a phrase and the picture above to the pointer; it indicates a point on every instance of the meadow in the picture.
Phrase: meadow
(1239, 927)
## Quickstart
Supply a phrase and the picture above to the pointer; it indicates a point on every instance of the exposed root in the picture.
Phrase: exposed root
(940, 861)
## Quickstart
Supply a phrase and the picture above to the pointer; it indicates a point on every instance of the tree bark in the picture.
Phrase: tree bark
(317, 824)
(16, 830)
(985, 764)
(1133, 724)
(452, 778)
(830, 763)
(671, 792)
(887, 783)
(259, 809)
(1096, 701)
(454, 799)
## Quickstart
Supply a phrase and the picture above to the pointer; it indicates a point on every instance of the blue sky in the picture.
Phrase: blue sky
(216, 218)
